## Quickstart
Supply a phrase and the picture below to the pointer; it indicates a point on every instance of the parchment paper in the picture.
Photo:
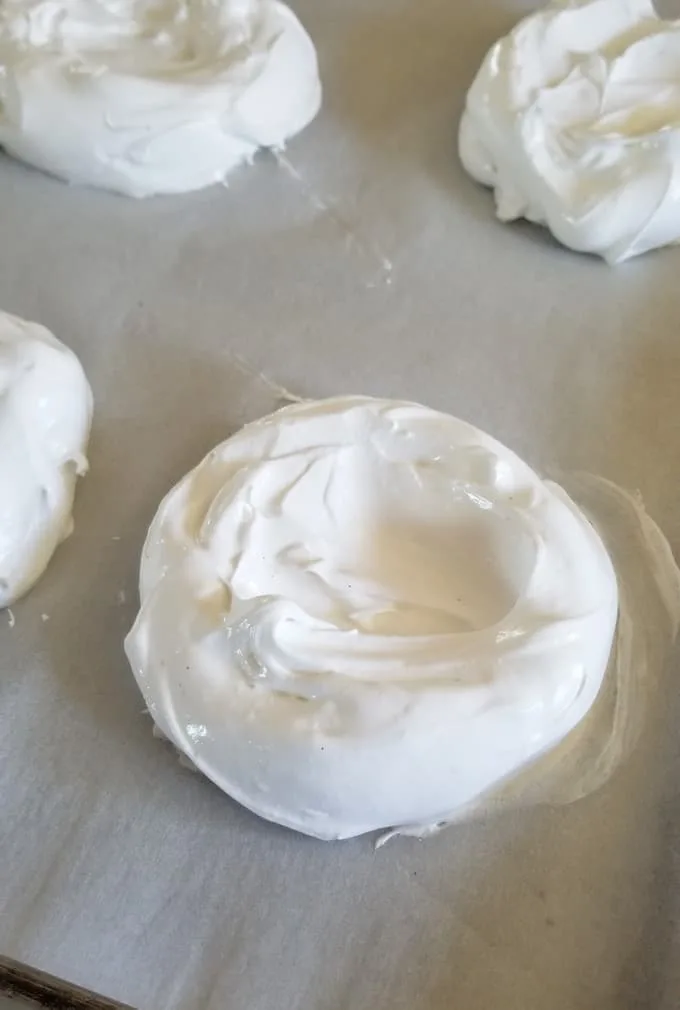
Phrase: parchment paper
(363, 261)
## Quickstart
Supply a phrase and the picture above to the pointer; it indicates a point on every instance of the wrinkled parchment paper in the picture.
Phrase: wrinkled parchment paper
(361, 261)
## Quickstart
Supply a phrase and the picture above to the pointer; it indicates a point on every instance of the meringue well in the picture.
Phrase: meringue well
(362, 614)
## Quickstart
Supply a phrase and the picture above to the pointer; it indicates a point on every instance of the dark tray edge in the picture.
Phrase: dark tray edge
(19, 981)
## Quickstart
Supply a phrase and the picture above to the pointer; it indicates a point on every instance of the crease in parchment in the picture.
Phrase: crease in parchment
(354, 239)
(649, 617)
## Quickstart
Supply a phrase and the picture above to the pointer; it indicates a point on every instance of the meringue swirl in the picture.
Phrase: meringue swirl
(151, 96)
(574, 120)
(360, 614)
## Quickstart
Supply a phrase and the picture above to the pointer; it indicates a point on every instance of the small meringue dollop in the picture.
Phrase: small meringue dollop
(362, 614)
(151, 96)
(574, 120)
(45, 417)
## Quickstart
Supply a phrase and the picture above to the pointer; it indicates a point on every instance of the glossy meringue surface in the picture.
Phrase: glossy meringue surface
(362, 614)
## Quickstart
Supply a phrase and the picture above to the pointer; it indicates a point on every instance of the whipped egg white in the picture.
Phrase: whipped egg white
(574, 120)
(151, 96)
(45, 416)
(362, 614)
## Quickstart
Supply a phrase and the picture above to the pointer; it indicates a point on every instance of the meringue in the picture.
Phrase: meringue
(574, 120)
(45, 417)
(362, 614)
(151, 96)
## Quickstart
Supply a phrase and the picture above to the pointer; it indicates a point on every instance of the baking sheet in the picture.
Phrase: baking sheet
(26, 988)
(362, 261)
